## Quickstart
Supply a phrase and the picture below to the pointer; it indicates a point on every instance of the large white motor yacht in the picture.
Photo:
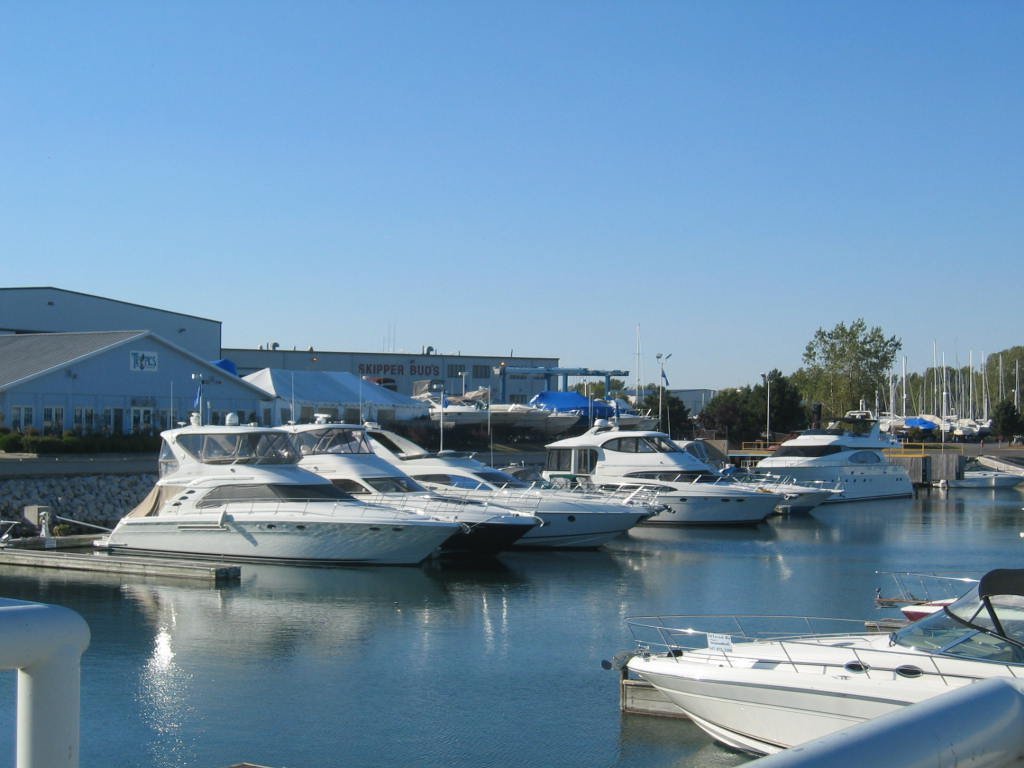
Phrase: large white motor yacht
(755, 685)
(568, 520)
(688, 491)
(850, 454)
(237, 493)
(342, 453)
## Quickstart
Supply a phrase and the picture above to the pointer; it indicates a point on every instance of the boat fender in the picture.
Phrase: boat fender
(618, 661)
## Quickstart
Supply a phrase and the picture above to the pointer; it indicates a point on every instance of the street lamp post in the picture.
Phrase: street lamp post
(661, 383)
(768, 410)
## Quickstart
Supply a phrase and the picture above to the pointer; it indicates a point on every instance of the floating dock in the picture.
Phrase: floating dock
(125, 565)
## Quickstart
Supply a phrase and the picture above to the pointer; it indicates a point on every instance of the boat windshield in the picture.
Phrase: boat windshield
(249, 447)
(333, 440)
(991, 629)
(500, 479)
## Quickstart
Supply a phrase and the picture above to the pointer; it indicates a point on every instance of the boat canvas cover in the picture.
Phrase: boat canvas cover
(155, 500)
(572, 401)
(336, 387)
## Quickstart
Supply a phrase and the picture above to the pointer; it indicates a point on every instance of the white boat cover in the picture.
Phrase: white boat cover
(345, 394)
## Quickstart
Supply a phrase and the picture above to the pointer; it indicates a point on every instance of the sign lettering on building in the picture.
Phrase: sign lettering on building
(398, 369)
(143, 361)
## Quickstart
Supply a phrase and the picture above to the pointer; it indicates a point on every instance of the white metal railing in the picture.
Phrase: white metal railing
(799, 647)
(44, 643)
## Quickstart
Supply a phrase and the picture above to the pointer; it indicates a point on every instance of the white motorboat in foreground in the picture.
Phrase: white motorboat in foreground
(569, 520)
(849, 454)
(237, 493)
(687, 491)
(342, 453)
(755, 685)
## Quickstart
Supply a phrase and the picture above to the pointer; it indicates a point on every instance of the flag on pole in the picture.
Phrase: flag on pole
(664, 377)
(197, 404)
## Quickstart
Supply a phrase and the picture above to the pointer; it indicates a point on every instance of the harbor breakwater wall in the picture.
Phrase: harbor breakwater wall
(98, 499)
(97, 489)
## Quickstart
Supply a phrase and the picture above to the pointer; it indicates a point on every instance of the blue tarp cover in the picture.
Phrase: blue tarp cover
(572, 401)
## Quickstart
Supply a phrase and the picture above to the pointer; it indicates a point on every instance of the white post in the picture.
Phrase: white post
(45, 644)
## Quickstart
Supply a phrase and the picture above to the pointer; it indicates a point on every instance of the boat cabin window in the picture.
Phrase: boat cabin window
(641, 444)
(807, 451)
(248, 447)
(333, 440)
(864, 457)
(348, 485)
(558, 460)
(272, 492)
(675, 476)
(586, 461)
(454, 481)
(396, 484)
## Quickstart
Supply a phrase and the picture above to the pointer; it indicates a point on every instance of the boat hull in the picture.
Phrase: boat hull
(764, 711)
(686, 508)
(569, 530)
(856, 482)
(282, 539)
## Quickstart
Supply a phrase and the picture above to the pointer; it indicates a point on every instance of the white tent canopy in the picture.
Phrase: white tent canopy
(345, 396)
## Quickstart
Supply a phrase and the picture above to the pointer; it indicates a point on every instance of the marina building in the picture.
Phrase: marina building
(72, 361)
(113, 382)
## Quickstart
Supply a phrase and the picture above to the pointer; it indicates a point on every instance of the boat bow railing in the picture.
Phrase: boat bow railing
(797, 642)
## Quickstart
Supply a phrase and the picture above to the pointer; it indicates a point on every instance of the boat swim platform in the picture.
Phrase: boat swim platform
(124, 565)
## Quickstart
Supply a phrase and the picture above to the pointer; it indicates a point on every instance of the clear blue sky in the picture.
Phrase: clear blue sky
(536, 177)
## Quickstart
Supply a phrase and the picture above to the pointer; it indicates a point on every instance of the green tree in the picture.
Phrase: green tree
(675, 416)
(595, 389)
(1006, 420)
(788, 413)
(846, 364)
(738, 414)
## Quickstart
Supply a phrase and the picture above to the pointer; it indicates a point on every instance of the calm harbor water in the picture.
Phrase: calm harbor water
(489, 665)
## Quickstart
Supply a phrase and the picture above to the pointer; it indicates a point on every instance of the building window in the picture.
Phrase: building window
(455, 370)
(53, 420)
(481, 372)
(22, 418)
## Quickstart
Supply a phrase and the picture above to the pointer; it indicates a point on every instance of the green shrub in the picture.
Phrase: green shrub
(11, 443)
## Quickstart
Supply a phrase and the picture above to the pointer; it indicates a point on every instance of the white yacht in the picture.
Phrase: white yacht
(756, 684)
(568, 520)
(688, 491)
(797, 497)
(237, 493)
(342, 453)
(850, 453)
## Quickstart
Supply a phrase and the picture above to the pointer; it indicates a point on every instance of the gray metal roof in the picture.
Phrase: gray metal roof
(25, 355)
